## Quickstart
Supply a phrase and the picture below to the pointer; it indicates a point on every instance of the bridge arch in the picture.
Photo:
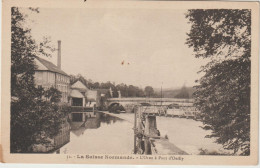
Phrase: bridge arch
(128, 106)
(120, 106)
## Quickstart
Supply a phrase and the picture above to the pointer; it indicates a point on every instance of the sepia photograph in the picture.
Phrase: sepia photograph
(132, 83)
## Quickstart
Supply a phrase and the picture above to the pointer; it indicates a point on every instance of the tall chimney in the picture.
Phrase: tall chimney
(59, 55)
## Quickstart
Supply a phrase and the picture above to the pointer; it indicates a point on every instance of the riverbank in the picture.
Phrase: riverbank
(113, 134)
(186, 134)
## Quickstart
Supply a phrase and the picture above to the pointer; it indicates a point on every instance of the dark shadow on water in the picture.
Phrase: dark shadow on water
(108, 119)
(78, 128)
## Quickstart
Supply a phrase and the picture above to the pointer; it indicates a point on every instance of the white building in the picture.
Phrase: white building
(48, 75)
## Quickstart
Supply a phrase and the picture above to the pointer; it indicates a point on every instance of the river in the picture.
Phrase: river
(111, 135)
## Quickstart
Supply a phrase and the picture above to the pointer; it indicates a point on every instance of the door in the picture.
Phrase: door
(77, 102)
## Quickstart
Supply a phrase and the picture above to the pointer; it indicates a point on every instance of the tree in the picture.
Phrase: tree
(53, 95)
(33, 120)
(123, 89)
(149, 92)
(96, 85)
(223, 93)
(183, 94)
(140, 92)
(22, 56)
(80, 78)
(126, 91)
(132, 91)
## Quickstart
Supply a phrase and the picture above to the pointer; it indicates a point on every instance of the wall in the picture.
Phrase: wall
(62, 84)
(46, 79)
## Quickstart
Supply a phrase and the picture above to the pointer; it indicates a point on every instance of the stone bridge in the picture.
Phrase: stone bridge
(130, 102)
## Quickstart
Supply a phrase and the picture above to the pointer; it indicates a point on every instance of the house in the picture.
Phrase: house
(97, 98)
(92, 98)
(81, 96)
(49, 75)
(84, 101)
(77, 100)
(77, 96)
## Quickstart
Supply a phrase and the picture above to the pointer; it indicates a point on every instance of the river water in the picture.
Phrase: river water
(110, 135)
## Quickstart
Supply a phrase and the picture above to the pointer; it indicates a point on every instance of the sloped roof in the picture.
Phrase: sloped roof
(79, 85)
(75, 93)
(50, 66)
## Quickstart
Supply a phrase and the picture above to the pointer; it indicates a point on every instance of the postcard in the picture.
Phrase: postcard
(130, 82)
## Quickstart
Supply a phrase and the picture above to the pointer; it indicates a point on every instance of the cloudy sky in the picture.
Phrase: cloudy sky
(95, 42)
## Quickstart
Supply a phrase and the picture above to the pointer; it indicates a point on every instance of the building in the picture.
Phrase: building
(81, 96)
(84, 102)
(48, 75)
(77, 96)
(92, 98)
(77, 99)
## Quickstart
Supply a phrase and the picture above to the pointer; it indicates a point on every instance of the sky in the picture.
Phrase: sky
(133, 46)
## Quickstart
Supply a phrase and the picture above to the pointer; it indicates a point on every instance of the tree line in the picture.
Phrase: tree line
(125, 90)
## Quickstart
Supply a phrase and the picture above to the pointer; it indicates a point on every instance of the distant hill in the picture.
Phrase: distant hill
(172, 93)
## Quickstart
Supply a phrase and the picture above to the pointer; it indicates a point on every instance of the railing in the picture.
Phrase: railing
(144, 99)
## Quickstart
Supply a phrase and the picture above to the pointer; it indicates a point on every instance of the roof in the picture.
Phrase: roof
(79, 85)
(50, 66)
(75, 93)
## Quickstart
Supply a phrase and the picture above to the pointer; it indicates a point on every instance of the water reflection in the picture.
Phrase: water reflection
(103, 134)
(106, 134)
(78, 128)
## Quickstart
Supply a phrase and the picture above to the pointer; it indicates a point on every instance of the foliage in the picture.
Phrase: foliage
(149, 92)
(53, 95)
(33, 120)
(183, 93)
(125, 90)
(22, 60)
(65, 108)
(80, 78)
(223, 95)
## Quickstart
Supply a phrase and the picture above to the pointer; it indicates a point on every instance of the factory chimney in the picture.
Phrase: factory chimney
(59, 55)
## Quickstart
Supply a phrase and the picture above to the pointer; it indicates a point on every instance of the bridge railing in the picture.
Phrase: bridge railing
(143, 99)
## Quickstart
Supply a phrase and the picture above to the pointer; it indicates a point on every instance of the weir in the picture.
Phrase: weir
(147, 138)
